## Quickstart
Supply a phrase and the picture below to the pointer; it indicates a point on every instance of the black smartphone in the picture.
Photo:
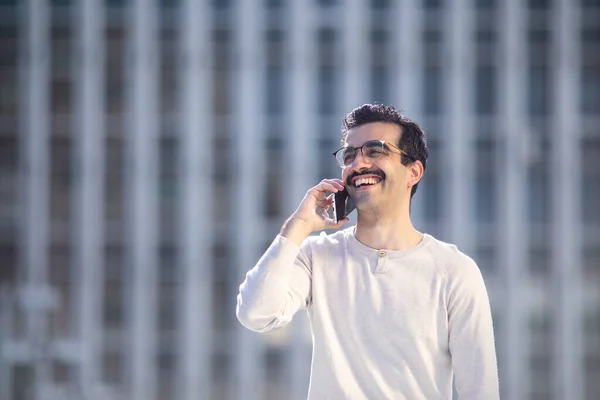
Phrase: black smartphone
(342, 205)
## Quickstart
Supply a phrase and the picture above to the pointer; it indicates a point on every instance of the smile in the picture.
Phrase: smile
(366, 182)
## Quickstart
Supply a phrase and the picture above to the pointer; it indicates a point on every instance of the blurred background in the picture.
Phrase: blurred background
(150, 151)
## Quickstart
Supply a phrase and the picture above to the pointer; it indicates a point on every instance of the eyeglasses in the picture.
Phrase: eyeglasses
(372, 150)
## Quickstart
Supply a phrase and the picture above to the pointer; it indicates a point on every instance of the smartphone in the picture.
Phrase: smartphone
(342, 205)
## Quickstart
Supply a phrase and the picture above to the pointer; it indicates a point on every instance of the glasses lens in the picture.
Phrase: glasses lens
(347, 155)
(374, 149)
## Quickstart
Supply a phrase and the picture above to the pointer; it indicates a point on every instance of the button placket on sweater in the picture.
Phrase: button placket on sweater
(382, 262)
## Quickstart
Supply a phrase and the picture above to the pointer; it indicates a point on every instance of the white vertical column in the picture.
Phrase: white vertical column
(408, 57)
(196, 229)
(458, 117)
(141, 184)
(408, 76)
(566, 192)
(302, 163)
(355, 65)
(88, 232)
(511, 169)
(35, 167)
(248, 128)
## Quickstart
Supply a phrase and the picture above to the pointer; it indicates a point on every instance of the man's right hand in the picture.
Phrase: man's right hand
(311, 215)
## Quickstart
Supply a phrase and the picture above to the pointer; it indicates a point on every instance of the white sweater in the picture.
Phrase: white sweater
(386, 324)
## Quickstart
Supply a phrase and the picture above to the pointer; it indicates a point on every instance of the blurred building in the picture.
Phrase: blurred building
(150, 151)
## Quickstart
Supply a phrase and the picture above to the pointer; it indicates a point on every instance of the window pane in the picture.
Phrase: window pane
(380, 85)
(485, 90)
(432, 88)
(327, 84)
(274, 96)
(590, 90)
(539, 93)
(590, 212)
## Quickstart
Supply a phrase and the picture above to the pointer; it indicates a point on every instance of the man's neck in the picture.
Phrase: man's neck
(390, 230)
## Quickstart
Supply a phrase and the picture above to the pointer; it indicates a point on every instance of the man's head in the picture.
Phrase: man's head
(395, 166)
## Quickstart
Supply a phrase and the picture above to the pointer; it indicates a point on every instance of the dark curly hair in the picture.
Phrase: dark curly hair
(412, 138)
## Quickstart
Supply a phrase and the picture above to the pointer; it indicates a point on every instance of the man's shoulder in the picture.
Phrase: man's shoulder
(449, 258)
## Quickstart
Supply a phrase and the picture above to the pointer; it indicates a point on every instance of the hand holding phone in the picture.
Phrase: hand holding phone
(342, 205)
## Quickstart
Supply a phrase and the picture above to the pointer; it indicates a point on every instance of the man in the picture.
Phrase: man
(394, 312)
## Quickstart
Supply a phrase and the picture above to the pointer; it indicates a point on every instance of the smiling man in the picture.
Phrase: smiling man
(395, 313)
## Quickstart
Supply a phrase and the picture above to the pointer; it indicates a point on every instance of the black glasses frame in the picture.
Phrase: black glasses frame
(382, 142)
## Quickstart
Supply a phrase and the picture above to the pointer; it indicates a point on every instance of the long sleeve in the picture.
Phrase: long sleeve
(276, 288)
(471, 335)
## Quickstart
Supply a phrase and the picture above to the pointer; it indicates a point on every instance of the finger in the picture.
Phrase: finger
(326, 186)
(335, 182)
(339, 181)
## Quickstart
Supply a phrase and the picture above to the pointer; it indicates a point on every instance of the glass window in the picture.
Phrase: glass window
(485, 36)
(8, 258)
(115, 70)
(539, 262)
(275, 91)
(590, 155)
(540, 4)
(432, 3)
(114, 179)
(592, 372)
(538, 198)
(60, 179)
(327, 89)
(274, 179)
(432, 90)
(485, 256)
(329, 143)
(326, 3)
(9, 184)
(221, 42)
(61, 280)
(485, 90)
(591, 262)
(169, 3)
(222, 366)
(113, 366)
(380, 4)
(168, 289)
(380, 82)
(485, 185)
(23, 380)
(485, 4)
(274, 3)
(114, 289)
(61, 86)
(590, 90)
(9, 48)
(590, 3)
(221, 3)
(538, 188)
(539, 91)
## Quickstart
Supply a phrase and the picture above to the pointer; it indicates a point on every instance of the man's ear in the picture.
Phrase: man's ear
(415, 173)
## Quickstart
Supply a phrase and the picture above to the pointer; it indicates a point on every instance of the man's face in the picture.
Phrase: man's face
(375, 182)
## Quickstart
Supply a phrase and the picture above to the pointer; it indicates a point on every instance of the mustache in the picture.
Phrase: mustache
(375, 172)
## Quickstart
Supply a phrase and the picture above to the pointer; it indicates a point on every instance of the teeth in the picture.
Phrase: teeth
(365, 181)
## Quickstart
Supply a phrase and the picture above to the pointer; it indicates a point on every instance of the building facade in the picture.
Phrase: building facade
(150, 151)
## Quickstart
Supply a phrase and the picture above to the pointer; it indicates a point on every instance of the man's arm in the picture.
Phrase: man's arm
(471, 334)
(280, 283)
(277, 287)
